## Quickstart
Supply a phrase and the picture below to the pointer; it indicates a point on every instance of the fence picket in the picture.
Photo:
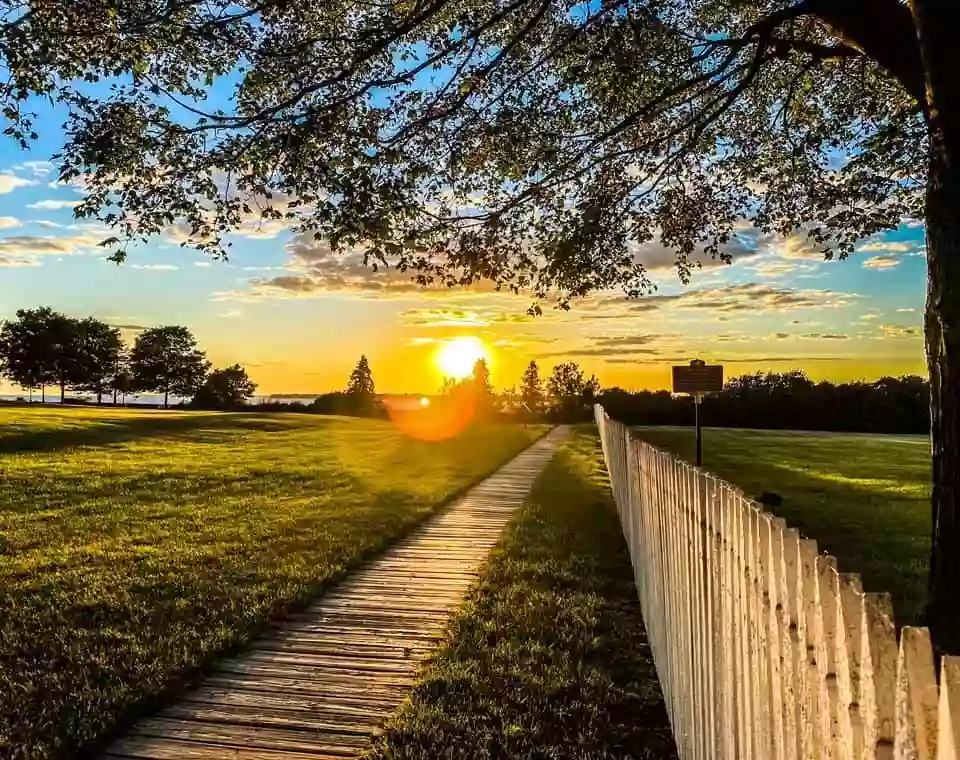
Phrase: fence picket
(763, 649)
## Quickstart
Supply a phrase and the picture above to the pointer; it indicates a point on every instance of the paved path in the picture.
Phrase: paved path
(321, 684)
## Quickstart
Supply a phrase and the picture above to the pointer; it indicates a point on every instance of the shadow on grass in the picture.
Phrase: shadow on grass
(199, 428)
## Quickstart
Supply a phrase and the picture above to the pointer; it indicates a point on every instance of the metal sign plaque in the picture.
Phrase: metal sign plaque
(698, 377)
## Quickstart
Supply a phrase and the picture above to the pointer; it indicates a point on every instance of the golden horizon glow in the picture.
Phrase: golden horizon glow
(424, 402)
(456, 357)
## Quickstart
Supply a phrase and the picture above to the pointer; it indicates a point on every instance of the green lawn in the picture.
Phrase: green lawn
(548, 658)
(864, 498)
(135, 546)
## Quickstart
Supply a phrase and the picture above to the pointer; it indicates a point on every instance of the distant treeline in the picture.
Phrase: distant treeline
(787, 401)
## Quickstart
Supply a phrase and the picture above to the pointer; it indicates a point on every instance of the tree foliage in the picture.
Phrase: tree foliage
(570, 393)
(533, 142)
(786, 401)
(360, 398)
(44, 347)
(166, 360)
(225, 389)
(99, 350)
(531, 389)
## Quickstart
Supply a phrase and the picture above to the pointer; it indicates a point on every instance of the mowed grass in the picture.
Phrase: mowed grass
(137, 546)
(864, 498)
(548, 658)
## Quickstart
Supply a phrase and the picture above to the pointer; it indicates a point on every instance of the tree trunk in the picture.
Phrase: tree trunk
(63, 390)
(99, 395)
(43, 394)
(942, 317)
(166, 398)
(114, 396)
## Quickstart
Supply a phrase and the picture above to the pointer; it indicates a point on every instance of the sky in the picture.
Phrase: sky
(298, 317)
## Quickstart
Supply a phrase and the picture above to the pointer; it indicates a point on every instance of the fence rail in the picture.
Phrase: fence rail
(765, 651)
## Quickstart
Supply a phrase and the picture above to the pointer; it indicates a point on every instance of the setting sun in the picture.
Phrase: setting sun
(456, 357)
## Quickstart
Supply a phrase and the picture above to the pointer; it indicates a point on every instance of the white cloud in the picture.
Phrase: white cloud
(53, 205)
(10, 182)
(907, 311)
(203, 264)
(888, 246)
(6, 222)
(156, 267)
(36, 168)
(881, 262)
(230, 314)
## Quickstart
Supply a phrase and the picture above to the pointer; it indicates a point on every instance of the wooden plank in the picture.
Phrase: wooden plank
(260, 737)
(139, 748)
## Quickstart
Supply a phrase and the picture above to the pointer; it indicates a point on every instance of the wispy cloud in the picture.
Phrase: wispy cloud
(40, 245)
(203, 264)
(10, 182)
(6, 261)
(7, 222)
(230, 314)
(156, 267)
(889, 246)
(882, 262)
(53, 205)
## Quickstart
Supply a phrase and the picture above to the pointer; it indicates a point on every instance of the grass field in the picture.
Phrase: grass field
(548, 658)
(864, 498)
(136, 546)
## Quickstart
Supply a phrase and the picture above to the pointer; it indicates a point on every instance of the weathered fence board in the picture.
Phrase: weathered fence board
(765, 651)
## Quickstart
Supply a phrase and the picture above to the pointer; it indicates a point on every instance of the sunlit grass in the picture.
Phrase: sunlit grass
(864, 498)
(135, 546)
(548, 658)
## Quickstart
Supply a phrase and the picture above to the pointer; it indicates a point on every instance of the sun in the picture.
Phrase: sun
(456, 357)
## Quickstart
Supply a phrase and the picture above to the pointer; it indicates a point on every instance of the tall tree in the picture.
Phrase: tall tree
(482, 388)
(531, 142)
(26, 351)
(570, 391)
(98, 350)
(531, 389)
(166, 360)
(42, 347)
(361, 395)
(225, 389)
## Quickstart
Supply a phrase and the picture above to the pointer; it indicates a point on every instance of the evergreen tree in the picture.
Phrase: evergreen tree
(531, 389)
(361, 395)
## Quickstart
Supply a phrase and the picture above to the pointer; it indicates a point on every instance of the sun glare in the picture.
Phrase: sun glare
(456, 357)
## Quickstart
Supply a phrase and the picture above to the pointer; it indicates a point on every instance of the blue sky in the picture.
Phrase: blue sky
(298, 318)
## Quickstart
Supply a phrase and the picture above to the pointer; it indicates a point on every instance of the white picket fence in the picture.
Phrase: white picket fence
(764, 650)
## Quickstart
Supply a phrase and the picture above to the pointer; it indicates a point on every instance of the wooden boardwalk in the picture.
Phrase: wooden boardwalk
(321, 684)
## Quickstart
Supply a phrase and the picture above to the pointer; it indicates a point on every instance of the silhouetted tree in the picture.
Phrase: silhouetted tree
(361, 394)
(482, 388)
(570, 392)
(98, 351)
(788, 400)
(531, 389)
(26, 349)
(166, 360)
(43, 347)
(225, 389)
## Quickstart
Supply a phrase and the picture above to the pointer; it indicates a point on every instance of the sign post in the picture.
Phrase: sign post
(696, 380)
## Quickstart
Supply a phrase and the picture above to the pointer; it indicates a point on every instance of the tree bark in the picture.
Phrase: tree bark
(166, 398)
(942, 316)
